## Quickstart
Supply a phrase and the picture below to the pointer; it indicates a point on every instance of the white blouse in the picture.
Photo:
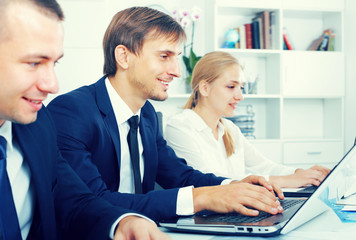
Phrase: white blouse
(193, 140)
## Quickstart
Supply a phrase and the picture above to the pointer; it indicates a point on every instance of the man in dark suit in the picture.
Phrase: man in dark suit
(141, 48)
(41, 197)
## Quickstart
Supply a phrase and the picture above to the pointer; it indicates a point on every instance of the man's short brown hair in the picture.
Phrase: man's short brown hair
(131, 27)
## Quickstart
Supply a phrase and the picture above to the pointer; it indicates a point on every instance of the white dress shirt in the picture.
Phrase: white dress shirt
(19, 176)
(122, 114)
(192, 139)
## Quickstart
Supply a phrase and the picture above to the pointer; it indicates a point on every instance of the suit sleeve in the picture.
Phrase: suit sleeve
(173, 171)
(80, 214)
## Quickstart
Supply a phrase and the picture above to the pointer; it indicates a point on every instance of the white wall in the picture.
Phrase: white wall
(350, 55)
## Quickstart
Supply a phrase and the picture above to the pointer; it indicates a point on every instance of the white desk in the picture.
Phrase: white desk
(326, 226)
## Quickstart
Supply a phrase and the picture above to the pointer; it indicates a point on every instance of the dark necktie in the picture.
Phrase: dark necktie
(9, 224)
(134, 153)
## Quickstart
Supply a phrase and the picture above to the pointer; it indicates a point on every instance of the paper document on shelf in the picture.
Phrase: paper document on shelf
(349, 208)
(351, 200)
(350, 191)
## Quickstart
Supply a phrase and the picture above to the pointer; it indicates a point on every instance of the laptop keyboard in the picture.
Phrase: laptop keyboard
(309, 189)
(237, 217)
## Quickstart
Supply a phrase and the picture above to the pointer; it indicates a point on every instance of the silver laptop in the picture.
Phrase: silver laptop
(300, 211)
(299, 192)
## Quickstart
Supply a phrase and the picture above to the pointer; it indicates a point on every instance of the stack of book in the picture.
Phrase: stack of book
(244, 119)
(259, 33)
(326, 42)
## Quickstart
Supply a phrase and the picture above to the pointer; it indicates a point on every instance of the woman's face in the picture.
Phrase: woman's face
(225, 92)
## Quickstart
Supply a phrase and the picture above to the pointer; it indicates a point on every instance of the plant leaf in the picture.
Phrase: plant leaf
(187, 64)
(192, 59)
(189, 79)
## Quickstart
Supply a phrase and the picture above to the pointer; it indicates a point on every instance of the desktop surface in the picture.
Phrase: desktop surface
(326, 226)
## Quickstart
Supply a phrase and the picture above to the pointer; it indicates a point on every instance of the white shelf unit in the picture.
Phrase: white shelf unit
(299, 105)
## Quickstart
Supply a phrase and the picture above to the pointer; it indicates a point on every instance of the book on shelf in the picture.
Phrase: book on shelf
(325, 42)
(237, 44)
(273, 30)
(248, 35)
(316, 43)
(287, 39)
(265, 16)
(331, 45)
(255, 30)
(242, 37)
(260, 33)
(284, 46)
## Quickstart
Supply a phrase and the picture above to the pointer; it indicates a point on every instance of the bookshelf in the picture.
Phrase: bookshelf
(303, 123)
(299, 104)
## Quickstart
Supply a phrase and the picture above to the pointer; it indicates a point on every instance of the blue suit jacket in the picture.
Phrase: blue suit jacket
(88, 137)
(63, 203)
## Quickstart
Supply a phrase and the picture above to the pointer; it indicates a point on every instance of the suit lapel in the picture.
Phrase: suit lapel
(44, 205)
(149, 146)
(105, 107)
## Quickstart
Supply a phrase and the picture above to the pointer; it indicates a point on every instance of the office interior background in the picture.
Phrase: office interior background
(304, 109)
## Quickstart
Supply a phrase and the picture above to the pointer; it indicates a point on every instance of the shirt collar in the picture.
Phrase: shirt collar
(198, 123)
(121, 109)
(6, 132)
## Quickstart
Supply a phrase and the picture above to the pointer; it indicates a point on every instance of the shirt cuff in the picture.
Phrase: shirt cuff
(226, 181)
(185, 204)
(115, 224)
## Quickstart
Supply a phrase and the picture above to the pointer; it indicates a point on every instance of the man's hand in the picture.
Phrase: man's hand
(258, 180)
(137, 228)
(236, 197)
(302, 177)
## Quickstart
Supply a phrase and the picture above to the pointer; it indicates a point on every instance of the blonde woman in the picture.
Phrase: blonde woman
(213, 144)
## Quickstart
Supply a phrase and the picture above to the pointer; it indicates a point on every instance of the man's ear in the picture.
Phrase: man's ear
(204, 88)
(122, 56)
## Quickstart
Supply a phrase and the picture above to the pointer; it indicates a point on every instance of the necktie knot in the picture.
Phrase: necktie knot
(2, 148)
(133, 122)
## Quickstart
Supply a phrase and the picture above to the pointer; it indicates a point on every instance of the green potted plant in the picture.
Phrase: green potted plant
(189, 63)
(186, 19)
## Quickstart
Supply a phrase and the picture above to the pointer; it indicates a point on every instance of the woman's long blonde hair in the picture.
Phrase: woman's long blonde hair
(209, 68)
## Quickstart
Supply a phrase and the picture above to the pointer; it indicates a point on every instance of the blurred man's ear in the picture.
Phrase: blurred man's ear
(122, 56)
